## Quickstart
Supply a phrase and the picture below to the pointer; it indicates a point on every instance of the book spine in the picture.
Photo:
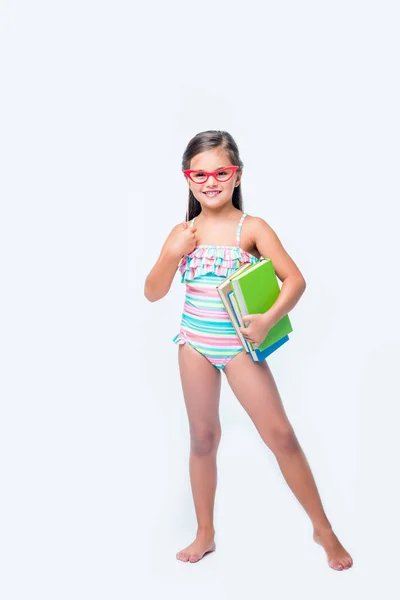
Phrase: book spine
(239, 317)
(238, 322)
(235, 322)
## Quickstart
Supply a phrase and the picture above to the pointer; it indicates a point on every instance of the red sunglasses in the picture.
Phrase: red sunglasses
(198, 176)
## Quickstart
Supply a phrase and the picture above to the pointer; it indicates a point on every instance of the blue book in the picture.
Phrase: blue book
(259, 354)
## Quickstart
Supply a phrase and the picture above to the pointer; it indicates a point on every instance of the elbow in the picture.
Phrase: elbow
(151, 297)
(147, 293)
(300, 283)
(155, 290)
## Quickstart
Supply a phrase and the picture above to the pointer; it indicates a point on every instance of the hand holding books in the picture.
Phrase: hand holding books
(252, 290)
(256, 328)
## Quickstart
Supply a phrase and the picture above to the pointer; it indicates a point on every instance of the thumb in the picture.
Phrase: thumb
(247, 317)
(185, 224)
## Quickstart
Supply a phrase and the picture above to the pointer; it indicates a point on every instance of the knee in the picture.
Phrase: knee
(204, 442)
(284, 441)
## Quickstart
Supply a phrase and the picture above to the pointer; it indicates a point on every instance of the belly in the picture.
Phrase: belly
(205, 319)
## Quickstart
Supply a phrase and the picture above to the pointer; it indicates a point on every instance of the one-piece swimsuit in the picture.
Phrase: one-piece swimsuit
(206, 324)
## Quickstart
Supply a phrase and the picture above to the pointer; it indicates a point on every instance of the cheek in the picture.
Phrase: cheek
(196, 193)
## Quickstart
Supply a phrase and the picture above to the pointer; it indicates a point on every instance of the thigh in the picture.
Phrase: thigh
(201, 385)
(254, 386)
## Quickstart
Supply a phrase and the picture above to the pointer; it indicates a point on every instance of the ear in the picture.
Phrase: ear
(238, 178)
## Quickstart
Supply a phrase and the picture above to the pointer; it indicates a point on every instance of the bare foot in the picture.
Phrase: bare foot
(203, 543)
(338, 557)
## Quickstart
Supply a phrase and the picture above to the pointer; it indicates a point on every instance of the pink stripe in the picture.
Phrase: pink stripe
(213, 342)
(205, 294)
(216, 315)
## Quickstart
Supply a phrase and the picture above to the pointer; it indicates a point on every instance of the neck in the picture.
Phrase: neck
(215, 214)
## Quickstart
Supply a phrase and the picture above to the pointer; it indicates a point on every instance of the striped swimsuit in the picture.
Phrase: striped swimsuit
(205, 322)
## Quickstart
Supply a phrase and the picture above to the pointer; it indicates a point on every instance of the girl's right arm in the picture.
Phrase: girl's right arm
(180, 241)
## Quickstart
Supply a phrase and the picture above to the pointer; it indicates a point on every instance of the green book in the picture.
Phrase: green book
(256, 289)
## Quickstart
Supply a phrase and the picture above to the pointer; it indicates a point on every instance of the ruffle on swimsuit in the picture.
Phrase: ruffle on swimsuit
(219, 260)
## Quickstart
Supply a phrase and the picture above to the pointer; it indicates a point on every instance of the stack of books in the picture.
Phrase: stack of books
(253, 289)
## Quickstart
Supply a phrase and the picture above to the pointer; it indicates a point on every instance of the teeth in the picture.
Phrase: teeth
(211, 193)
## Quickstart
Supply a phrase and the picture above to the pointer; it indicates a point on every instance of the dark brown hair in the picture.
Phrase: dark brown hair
(205, 140)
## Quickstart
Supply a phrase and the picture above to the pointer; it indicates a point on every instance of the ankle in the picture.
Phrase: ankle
(206, 530)
(321, 528)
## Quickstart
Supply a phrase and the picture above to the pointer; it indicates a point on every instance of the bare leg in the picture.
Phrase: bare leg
(201, 385)
(256, 390)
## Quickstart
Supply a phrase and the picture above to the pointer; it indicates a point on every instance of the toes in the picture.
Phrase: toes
(335, 565)
(346, 562)
(189, 554)
(182, 556)
(349, 563)
(194, 558)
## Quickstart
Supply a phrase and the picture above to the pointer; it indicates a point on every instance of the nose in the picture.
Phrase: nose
(211, 181)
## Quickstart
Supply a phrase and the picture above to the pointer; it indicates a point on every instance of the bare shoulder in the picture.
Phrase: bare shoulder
(252, 222)
(257, 225)
(253, 228)
(269, 245)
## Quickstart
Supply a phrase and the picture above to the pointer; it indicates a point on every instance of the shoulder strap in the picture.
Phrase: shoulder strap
(192, 223)
(239, 229)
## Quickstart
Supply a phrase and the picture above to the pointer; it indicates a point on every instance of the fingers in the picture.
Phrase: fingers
(185, 225)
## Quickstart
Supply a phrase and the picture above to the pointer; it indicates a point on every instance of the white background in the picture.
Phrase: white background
(98, 101)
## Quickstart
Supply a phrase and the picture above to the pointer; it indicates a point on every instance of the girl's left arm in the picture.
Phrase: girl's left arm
(293, 283)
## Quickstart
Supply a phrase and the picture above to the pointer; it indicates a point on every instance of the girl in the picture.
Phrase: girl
(206, 253)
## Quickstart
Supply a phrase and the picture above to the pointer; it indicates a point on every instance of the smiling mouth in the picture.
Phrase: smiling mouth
(212, 194)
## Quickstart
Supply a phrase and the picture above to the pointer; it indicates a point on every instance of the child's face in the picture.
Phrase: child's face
(213, 160)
